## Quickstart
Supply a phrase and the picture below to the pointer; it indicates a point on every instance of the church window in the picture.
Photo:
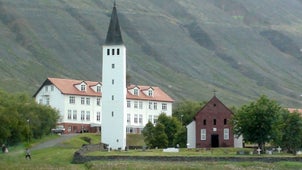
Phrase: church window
(108, 51)
(204, 122)
(112, 114)
(112, 51)
(214, 121)
(112, 97)
(203, 134)
(112, 81)
(112, 66)
(118, 51)
(226, 134)
(225, 121)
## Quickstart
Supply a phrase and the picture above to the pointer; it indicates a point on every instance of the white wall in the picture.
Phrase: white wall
(191, 135)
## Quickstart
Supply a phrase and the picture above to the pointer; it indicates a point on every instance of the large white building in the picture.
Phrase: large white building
(79, 104)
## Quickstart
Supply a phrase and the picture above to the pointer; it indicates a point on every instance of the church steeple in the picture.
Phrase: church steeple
(114, 35)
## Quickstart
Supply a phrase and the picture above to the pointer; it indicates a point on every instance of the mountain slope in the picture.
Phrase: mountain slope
(188, 48)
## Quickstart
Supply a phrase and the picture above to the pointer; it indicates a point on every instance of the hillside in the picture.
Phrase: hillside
(242, 49)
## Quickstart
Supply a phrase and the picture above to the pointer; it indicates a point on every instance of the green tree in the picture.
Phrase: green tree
(160, 137)
(257, 121)
(148, 133)
(185, 111)
(291, 131)
(181, 137)
(172, 126)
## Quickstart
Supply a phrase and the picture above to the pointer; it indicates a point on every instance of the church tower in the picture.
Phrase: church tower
(114, 86)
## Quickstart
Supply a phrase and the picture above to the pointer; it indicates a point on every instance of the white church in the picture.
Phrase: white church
(110, 105)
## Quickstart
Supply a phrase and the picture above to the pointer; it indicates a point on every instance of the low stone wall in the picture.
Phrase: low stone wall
(79, 157)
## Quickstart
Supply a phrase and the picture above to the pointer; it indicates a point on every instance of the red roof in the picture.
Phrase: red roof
(68, 86)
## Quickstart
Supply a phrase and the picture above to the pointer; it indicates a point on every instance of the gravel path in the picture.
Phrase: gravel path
(53, 142)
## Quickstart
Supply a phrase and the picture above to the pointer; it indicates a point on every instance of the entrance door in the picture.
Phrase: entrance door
(215, 141)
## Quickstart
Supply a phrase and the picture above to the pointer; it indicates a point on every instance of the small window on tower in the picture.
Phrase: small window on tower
(112, 51)
(108, 51)
(112, 114)
(112, 65)
(112, 97)
(225, 121)
(214, 122)
(204, 122)
(118, 51)
(112, 81)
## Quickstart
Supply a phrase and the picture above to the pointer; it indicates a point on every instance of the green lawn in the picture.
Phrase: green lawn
(60, 157)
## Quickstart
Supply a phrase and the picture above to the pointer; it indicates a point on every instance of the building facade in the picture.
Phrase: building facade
(79, 104)
(211, 128)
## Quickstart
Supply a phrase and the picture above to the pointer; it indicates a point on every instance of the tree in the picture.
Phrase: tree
(160, 137)
(291, 131)
(148, 133)
(184, 111)
(171, 127)
(257, 121)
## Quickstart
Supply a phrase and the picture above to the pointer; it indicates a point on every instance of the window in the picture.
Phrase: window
(82, 115)
(225, 121)
(112, 113)
(98, 88)
(88, 101)
(112, 51)
(164, 106)
(88, 115)
(74, 115)
(150, 105)
(135, 92)
(71, 99)
(135, 104)
(69, 115)
(155, 119)
(226, 134)
(98, 116)
(203, 134)
(128, 103)
(118, 51)
(155, 106)
(128, 118)
(112, 81)
(82, 100)
(98, 101)
(112, 97)
(140, 119)
(108, 51)
(112, 65)
(135, 118)
(83, 87)
(150, 118)
(47, 100)
(214, 121)
(150, 92)
(204, 122)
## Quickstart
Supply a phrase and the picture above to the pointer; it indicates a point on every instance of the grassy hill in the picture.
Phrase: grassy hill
(242, 49)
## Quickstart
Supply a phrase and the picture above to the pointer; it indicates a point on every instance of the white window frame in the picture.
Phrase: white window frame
(226, 133)
(203, 134)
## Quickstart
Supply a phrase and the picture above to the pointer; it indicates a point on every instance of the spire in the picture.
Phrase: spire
(114, 35)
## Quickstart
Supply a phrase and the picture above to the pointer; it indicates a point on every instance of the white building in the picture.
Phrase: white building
(114, 86)
(80, 104)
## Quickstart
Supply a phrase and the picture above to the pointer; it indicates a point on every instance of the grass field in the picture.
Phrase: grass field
(60, 157)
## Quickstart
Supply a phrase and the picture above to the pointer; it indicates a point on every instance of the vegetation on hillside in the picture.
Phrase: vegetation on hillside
(188, 48)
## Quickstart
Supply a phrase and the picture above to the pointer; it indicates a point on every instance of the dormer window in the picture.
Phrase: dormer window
(83, 87)
(98, 89)
(150, 92)
(135, 92)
